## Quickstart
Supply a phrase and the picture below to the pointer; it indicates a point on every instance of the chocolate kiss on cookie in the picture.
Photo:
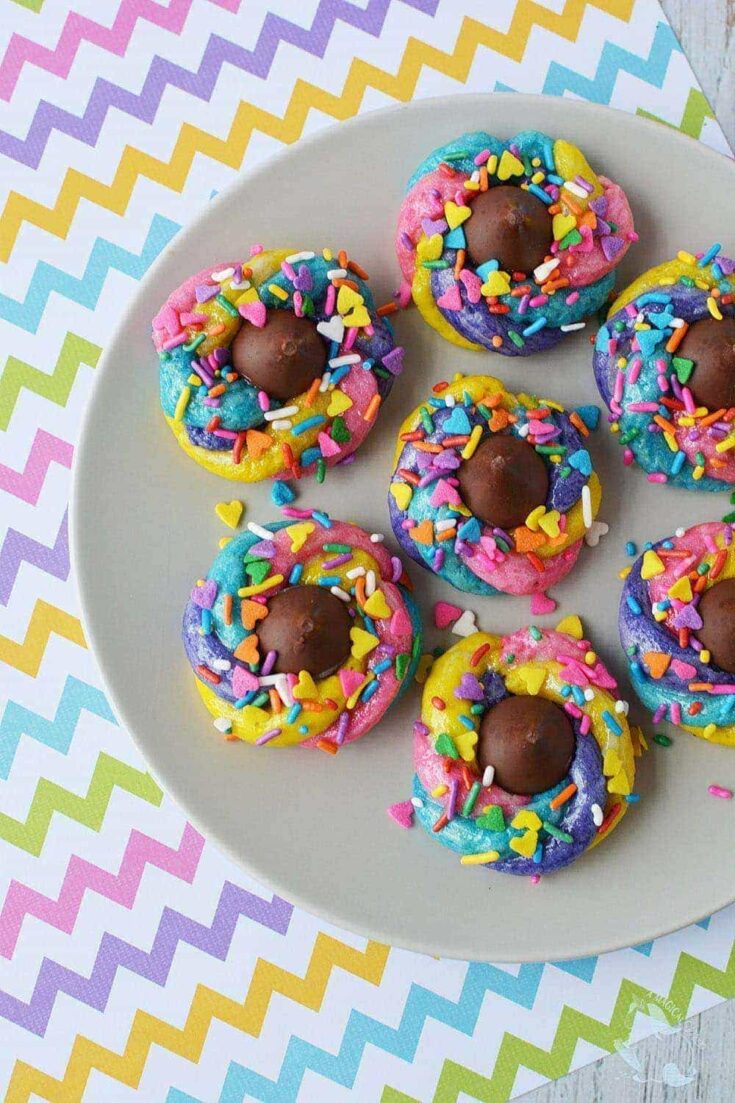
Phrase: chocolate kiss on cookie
(717, 610)
(309, 628)
(711, 345)
(529, 741)
(283, 357)
(503, 481)
(508, 225)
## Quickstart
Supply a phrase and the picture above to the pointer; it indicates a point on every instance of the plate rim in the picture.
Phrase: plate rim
(172, 789)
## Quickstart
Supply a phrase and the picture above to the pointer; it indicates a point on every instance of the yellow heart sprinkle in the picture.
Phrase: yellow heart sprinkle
(651, 565)
(497, 283)
(528, 679)
(362, 642)
(359, 317)
(229, 512)
(562, 224)
(338, 403)
(455, 215)
(377, 607)
(509, 166)
(682, 589)
(532, 521)
(549, 522)
(249, 296)
(300, 534)
(525, 845)
(402, 494)
(572, 626)
(347, 299)
(465, 743)
(430, 248)
(526, 818)
(305, 689)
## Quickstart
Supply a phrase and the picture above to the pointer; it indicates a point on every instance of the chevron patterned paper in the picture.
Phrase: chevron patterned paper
(136, 962)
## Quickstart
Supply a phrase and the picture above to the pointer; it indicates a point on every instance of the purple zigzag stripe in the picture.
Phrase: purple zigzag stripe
(19, 548)
(218, 52)
(154, 966)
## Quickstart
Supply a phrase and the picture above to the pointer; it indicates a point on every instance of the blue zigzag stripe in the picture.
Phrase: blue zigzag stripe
(86, 290)
(58, 733)
(613, 61)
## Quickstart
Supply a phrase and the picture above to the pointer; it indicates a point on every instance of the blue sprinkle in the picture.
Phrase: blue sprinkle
(652, 297)
(540, 194)
(206, 621)
(370, 690)
(367, 365)
(719, 274)
(566, 691)
(549, 161)
(243, 701)
(370, 625)
(310, 455)
(467, 721)
(309, 423)
(535, 326)
(554, 179)
(322, 518)
(633, 605)
(296, 572)
(709, 255)
(578, 696)
(489, 266)
(333, 350)
(668, 544)
(590, 415)
(381, 666)
(470, 531)
(633, 798)
(339, 373)
(630, 548)
(329, 580)
(455, 239)
(538, 854)
(282, 493)
(678, 462)
(611, 723)
(303, 730)
(293, 712)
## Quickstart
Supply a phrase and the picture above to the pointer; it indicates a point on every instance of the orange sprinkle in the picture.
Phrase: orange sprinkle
(711, 418)
(441, 822)
(501, 308)
(497, 341)
(357, 269)
(564, 796)
(409, 476)
(227, 608)
(360, 591)
(477, 655)
(327, 745)
(700, 687)
(684, 638)
(452, 442)
(459, 262)
(215, 392)
(676, 338)
(342, 258)
(535, 562)
(346, 283)
(312, 706)
(238, 447)
(427, 446)
(312, 392)
(447, 534)
(554, 285)
(667, 426)
(276, 703)
(208, 675)
(491, 400)
(718, 563)
(519, 292)
(483, 178)
(387, 308)
(372, 408)
(577, 422)
(215, 423)
(213, 331)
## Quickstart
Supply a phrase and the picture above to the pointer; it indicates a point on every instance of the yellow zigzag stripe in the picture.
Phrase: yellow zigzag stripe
(45, 619)
(230, 151)
(188, 1042)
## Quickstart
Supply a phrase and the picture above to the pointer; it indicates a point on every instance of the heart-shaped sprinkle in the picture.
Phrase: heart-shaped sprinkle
(303, 281)
(492, 818)
(338, 403)
(466, 625)
(251, 612)
(472, 285)
(525, 844)
(257, 443)
(253, 312)
(205, 595)
(542, 604)
(611, 245)
(362, 642)
(350, 681)
(327, 446)
(457, 424)
(595, 532)
(247, 650)
(299, 534)
(347, 299)
(497, 283)
(455, 215)
(229, 512)
(509, 165)
(430, 248)
(444, 494)
(393, 360)
(445, 745)
(451, 299)
(446, 614)
(469, 688)
(657, 663)
(402, 494)
(402, 813)
(571, 626)
(400, 623)
(423, 533)
(333, 329)
(305, 689)
(376, 606)
(581, 461)
(432, 226)
(243, 681)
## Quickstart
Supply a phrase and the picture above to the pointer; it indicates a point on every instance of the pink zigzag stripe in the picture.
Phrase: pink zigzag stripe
(78, 29)
(28, 483)
(82, 877)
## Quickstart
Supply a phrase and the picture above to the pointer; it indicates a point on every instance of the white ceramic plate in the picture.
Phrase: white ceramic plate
(311, 826)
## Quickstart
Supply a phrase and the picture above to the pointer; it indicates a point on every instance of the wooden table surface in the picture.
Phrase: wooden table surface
(700, 1052)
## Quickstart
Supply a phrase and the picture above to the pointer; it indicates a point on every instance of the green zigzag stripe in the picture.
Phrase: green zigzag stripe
(109, 774)
(56, 387)
(574, 1026)
(696, 110)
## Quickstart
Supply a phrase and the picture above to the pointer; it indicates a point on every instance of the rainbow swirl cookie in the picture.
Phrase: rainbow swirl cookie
(523, 755)
(274, 366)
(492, 491)
(302, 632)
(508, 246)
(677, 625)
(665, 365)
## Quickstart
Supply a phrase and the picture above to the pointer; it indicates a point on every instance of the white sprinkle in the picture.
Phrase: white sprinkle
(370, 583)
(677, 323)
(475, 178)
(589, 694)
(376, 538)
(597, 815)
(417, 802)
(258, 530)
(283, 690)
(336, 273)
(240, 285)
(542, 273)
(442, 526)
(524, 430)
(275, 415)
(282, 424)
(575, 189)
(466, 625)
(224, 274)
(355, 572)
(622, 707)
(587, 506)
(221, 664)
(488, 776)
(572, 326)
(640, 317)
(680, 532)
(349, 358)
(296, 257)
(222, 724)
(340, 593)
(269, 679)
(326, 380)
(450, 401)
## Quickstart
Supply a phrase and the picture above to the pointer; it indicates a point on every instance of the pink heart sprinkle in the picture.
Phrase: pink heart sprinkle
(444, 494)
(243, 681)
(350, 680)
(683, 670)
(400, 623)
(328, 446)
(542, 604)
(472, 285)
(445, 614)
(402, 813)
(253, 312)
(451, 299)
